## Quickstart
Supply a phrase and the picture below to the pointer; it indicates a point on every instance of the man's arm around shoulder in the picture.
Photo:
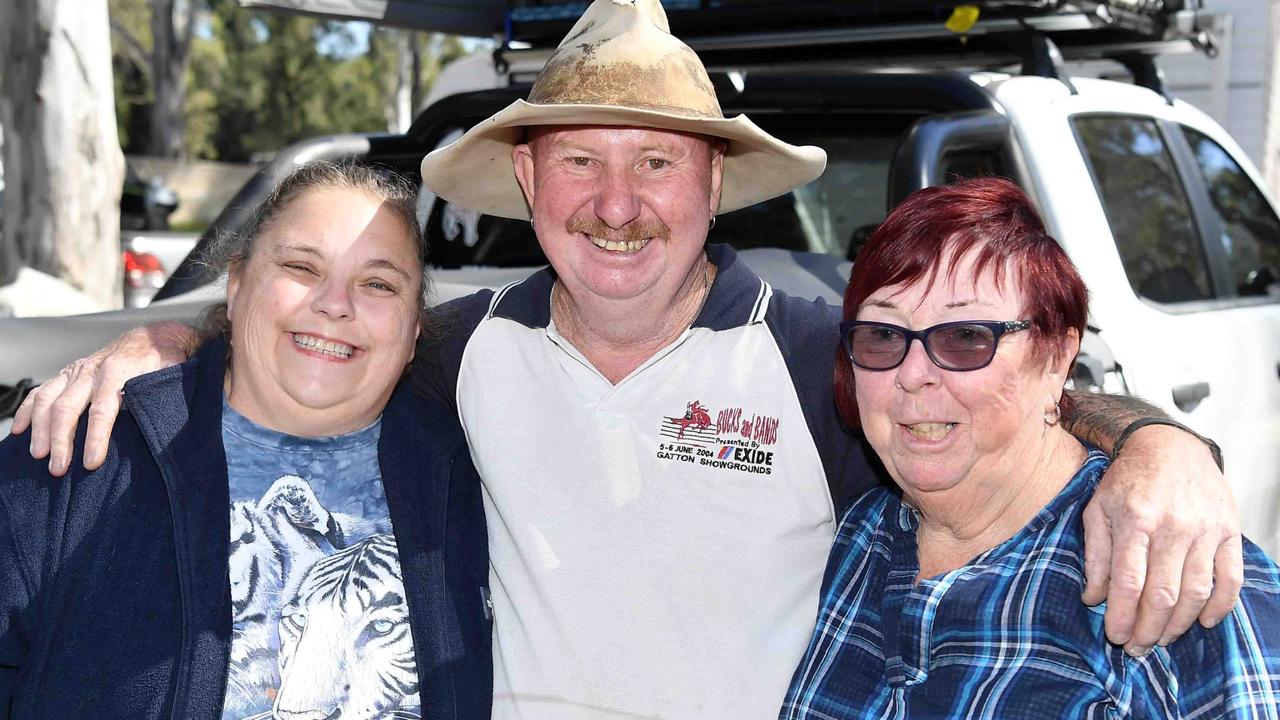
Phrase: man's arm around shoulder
(1162, 537)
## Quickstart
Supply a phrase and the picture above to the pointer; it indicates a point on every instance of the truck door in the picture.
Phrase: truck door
(1199, 244)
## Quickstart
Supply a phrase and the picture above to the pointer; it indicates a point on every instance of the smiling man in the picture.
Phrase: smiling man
(654, 425)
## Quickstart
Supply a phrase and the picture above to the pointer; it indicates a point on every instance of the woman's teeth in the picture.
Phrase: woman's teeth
(930, 430)
(323, 347)
(618, 245)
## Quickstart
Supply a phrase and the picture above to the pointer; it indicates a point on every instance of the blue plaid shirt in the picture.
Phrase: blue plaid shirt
(1007, 636)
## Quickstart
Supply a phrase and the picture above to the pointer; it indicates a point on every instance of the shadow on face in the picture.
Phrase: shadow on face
(324, 313)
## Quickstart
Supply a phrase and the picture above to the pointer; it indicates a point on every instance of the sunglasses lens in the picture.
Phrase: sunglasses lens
(962, 347)
(876, 347)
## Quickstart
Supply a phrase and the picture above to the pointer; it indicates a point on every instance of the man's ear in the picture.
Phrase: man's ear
(522, 159)
(717, 174)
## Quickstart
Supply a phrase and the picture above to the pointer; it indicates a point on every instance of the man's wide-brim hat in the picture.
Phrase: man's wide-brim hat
(619, 65)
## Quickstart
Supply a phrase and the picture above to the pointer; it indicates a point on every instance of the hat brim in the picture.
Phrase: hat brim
(476, 171)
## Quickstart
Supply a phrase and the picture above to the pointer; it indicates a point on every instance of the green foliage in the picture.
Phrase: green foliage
(130, 41)
(257, 82)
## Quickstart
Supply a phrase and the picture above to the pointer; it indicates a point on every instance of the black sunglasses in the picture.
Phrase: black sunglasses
(959, 346)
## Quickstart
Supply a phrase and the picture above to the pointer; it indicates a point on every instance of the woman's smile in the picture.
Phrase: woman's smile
(320, 346)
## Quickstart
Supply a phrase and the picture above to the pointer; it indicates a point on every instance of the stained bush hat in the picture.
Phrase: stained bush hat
(619, 65)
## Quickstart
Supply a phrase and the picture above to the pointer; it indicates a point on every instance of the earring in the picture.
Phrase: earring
(531, 225)
(1051, 418)
(713, 222)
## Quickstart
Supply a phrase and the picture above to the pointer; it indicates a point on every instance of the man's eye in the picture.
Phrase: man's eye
(581, 161)
(657, 163)
(300, 267)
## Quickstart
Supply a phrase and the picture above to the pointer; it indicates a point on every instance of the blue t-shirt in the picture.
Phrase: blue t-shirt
(319, 620)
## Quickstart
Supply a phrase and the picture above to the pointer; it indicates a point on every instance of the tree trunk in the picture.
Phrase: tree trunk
(399, 109)
(172, 27)
(415, 73)
(62, 159)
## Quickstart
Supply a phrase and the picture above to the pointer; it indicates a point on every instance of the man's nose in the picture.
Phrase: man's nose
(617, 202)
(333, 298)
(917, 369)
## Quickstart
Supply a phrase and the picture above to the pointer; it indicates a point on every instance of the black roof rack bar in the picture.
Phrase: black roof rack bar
(1043, 58)
(880, 33)
(991, 43)
(524, 63)
(1146, 73)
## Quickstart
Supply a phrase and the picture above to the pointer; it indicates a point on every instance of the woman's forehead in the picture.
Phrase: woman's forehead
(336, 220)
(954, 283)
(383, 248)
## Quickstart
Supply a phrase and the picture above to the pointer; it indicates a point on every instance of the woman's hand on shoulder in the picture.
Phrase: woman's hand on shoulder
(1162, 540)
(53, 409)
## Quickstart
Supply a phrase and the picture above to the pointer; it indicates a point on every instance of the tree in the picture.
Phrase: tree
(62, 158)
(172, 27)
(256, 82)
(161, 50)
(408, 63)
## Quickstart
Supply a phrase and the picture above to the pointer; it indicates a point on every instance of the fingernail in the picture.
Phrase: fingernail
(1213, 622)
(1138, 651)
(1164, 641)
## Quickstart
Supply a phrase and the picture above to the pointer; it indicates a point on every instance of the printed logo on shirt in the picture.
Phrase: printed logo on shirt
(733, 441)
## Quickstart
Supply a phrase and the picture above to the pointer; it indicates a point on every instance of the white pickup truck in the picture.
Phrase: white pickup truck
(1166, 218)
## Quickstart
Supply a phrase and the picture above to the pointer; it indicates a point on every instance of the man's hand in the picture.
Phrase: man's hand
(1162, 540)
(53, 409)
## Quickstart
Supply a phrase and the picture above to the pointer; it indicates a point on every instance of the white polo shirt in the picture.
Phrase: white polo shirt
(657, 546)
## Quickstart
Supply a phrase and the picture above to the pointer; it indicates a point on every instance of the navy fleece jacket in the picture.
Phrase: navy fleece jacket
(114, 597)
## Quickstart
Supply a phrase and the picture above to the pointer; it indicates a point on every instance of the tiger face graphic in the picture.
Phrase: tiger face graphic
(345, 646)
(273, 542)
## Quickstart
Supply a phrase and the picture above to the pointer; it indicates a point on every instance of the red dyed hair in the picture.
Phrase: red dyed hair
(989, 216)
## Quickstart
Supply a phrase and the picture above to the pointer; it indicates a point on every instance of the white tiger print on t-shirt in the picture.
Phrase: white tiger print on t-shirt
(345, 646)
(274, 543)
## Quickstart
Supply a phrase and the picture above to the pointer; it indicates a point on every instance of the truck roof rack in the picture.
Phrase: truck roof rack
(729, 34)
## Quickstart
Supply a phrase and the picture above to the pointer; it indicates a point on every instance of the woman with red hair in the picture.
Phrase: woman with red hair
(961, 596)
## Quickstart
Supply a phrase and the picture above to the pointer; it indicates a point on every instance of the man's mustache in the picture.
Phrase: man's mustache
(632, 231)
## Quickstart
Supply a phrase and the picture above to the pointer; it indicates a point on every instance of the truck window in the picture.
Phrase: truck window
(1146, 206)
(1250, 232)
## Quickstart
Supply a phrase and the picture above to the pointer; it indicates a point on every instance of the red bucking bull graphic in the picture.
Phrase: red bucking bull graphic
(734, 441)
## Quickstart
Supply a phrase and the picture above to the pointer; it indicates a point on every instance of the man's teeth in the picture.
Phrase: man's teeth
(324, 347)
(931, 430)
(618, 245)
